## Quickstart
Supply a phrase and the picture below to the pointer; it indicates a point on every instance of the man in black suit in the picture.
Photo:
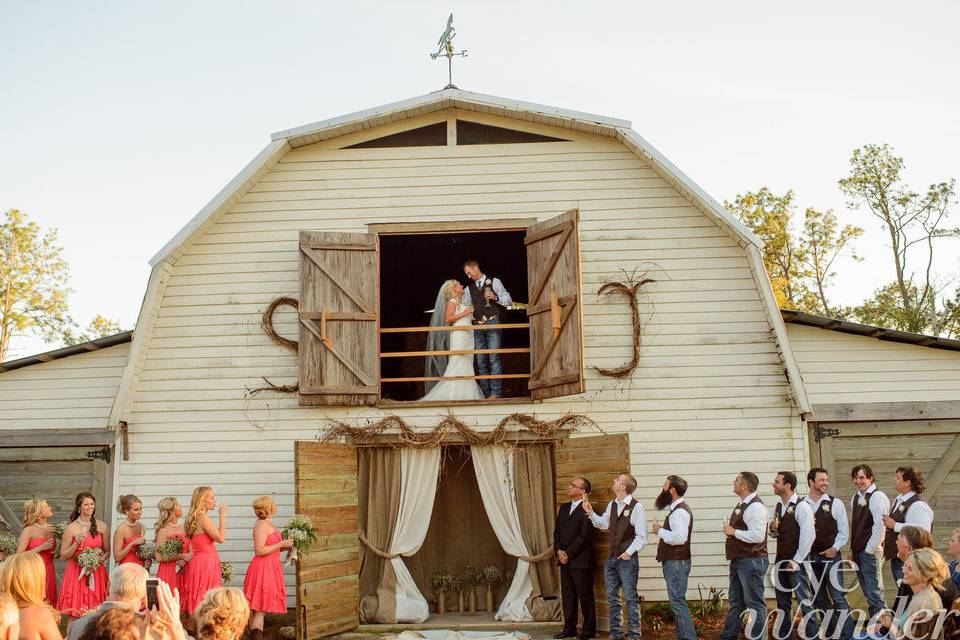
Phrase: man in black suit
(573, 542)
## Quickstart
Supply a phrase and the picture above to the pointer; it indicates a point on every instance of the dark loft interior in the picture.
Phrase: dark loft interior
(412, 269)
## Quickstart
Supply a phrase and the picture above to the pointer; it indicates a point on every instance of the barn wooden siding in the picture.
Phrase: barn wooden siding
(708, 399)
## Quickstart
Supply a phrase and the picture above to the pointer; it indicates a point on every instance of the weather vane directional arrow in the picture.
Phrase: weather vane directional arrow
(445, 48)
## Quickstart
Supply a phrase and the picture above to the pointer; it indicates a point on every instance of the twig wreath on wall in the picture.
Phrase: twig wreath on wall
(630, 289)
(266, 323)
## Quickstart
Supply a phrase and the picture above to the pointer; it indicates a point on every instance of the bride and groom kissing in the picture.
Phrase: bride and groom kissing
(479, 303)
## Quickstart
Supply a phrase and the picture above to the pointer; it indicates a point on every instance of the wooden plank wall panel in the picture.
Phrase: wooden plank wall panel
(839, 367)
(709, 377)
(328, 578)
(73, 392)
(599, 459)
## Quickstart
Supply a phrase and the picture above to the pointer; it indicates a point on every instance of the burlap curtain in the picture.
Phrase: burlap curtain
(533, 470)
(378, 490)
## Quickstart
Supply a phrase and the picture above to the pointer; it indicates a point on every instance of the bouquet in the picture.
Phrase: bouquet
(57, 531)
(89, 560)
(301, 531)
(8, 544)
(168, 550)
(226, 572)
(146, 552)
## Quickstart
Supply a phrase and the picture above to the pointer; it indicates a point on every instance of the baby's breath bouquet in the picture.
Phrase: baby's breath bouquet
(146, 552)
(168, 550)
(226, 572)
(89, 559)
(8, 544)
(300, 530)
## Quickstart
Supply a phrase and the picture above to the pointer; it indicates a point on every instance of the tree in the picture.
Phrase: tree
(99, 327)
(33, 281)
(769, 215)
(916, 224)
(823, 244)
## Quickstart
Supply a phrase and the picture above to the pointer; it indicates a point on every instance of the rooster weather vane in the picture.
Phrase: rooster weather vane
(445, 48)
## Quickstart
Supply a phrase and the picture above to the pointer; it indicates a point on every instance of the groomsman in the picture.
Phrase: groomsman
(746, 549)
(909, 507)
(625, 519)
(573, 542)
(673, 551)
(793, 528)
(868, 505)
(831, 531)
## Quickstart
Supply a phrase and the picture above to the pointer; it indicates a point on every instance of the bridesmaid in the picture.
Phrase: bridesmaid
(83, 532)
(168, 527)
(203, 570)
(264, 586)
(37, 535)
(130, 533)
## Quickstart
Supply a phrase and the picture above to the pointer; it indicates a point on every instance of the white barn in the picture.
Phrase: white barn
(722, 384)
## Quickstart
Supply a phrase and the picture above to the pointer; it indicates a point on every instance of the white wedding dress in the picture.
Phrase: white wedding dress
(461, 365)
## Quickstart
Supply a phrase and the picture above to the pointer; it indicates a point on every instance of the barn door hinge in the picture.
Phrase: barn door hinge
(100, 454)
(819, 433)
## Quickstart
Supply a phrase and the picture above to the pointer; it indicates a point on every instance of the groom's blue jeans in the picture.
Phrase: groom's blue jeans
(489, 363)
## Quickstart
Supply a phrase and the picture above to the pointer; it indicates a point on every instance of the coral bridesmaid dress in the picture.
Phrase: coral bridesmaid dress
(50, 595)
(202, 574)
(167, 571)
(132, 554)
(76, 596)
(264, 586)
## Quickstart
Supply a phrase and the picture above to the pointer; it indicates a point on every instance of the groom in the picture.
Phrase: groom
(492, 297)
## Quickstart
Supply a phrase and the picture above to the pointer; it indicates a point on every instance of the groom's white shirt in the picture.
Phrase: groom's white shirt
(503, 296)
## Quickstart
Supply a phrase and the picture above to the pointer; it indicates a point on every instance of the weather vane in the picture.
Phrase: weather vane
(445, 48)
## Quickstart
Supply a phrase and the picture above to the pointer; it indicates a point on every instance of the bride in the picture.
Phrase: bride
(450, 310)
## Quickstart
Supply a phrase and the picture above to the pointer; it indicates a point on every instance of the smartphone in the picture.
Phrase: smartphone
(152, 602)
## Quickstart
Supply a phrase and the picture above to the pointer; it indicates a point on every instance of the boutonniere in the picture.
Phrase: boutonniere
(863, 501)
(790, 509)
(901, 508)
(826, 507)
(737, 511)
(626, 512)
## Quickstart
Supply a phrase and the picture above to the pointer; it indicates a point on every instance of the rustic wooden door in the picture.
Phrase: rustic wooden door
(599, 459)
(555, 307)
(328, 578)
(338, 319)
(932, 446)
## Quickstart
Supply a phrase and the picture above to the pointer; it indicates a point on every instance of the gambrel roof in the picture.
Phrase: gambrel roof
(283, 141)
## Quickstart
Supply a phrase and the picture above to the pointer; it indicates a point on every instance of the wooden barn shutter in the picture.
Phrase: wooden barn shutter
(328, 578)
(598, 459)
(554, 307)
(338, 319)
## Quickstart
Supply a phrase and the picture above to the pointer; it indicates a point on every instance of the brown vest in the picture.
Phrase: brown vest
(862, 524)
(824, 525)
(737, 548)
(788, 531)
(899, 515)
(622, 532)
(676, 551)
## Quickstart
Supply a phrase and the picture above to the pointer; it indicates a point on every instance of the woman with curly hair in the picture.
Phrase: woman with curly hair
(263, 585)
(203, 570)
(222, 614)
(22, 577)
(450, 310)
(84, 532)
(168, 527)
(37, 535)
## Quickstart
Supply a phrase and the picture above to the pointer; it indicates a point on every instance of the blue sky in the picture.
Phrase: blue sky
(121, 120)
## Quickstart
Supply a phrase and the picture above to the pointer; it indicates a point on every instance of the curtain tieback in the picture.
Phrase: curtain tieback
(539, 557)
(382, 554)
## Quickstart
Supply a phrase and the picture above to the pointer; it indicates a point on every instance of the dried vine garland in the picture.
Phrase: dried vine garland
(630, 289)
(266, 323)
(407, 435)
